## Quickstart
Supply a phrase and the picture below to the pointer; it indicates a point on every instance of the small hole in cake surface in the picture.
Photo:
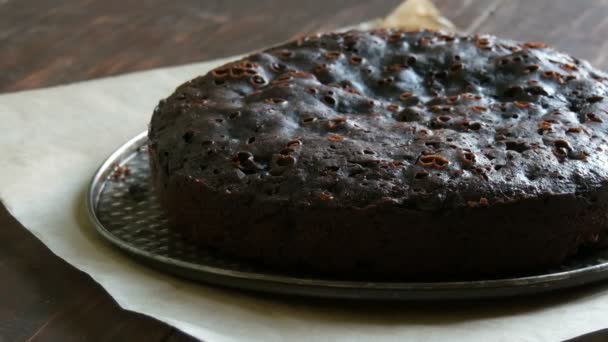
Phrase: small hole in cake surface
(216, 171)
(562, 144)
(441, 74)
(421, 175)
(594, 99)
(329, 100)
(277, 67)
(479, 109)
(276, 100)
(386, 81)
(243, 156)
(332, 55)
(518, 146)
(433, 161)
(594, 118)
(475, 126)
(234, 115)
(368, 152)
(251, 140)
(335, 137)
(560, 153)
(283, 77)
(574, 130)
(538, 91)
(257, 79)
(356, 60)
(406, 95)
(219, 72)
(188, 136)
(286, 54)
(393, 108)
(453, 99)
(468, 158)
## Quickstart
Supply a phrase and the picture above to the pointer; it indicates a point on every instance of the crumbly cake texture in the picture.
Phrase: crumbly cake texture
(410, 155)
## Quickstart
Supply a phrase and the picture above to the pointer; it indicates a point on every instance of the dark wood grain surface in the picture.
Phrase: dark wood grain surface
(50, 42)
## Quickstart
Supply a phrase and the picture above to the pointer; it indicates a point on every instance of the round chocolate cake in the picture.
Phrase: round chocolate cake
(405, 155)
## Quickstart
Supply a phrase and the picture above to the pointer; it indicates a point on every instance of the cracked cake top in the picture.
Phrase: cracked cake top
(425, 120)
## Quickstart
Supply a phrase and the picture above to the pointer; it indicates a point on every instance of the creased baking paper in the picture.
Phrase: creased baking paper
(53, 140)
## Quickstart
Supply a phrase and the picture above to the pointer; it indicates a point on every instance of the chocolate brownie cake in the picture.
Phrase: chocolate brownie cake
(410, 155)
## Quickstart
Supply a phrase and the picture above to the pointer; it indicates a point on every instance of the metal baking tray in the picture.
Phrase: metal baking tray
(124, 210)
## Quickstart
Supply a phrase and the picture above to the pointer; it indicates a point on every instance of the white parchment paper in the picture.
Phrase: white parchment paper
(53, 140)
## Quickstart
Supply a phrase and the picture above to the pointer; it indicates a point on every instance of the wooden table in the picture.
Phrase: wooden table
(49, 42)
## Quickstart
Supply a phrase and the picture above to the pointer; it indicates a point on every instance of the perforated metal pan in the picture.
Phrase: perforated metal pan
(124, 209)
